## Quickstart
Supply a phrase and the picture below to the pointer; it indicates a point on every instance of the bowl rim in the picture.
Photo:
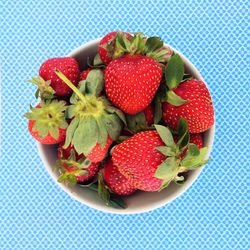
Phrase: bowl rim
(150, 207)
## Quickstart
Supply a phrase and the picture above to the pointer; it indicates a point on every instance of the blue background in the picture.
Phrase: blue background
(36, 214)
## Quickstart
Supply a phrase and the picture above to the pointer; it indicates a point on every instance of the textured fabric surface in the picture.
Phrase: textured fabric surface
(36, 214)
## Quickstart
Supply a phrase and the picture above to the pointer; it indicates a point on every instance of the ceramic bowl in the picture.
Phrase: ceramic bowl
(141, 201)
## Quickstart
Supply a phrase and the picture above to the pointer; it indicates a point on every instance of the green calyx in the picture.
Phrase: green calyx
(137, 122)
(138, 43)
(44, 90)
(93, 117)
(77, 168)
(175, 162)
(106, 195)
(174, 75)
(48, 118)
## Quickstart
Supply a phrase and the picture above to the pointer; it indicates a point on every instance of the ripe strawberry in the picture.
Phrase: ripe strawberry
(137, 159)
(149, 115)
(150, 160)
(106, 46)
(82, 176)
(190, 99)
(96, 155)
(94, 122)
(47, 122)
(117, 183)
(198, 111)
(68, 66)
(74, 168)
(131, 82)
(84, 74)
(196, 139)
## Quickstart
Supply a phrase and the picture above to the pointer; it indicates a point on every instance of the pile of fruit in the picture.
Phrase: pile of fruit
(131, 121)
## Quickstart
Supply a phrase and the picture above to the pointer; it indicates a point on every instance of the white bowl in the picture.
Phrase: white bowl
(141, 201)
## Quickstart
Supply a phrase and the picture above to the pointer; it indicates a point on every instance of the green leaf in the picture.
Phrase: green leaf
(94, 82)
(118, 112)
(85, 136)
(153, 44)
(182, 126)
(165, 135)
(103, 192)
(183, 133)
(117, 202)
(193, 149)
(174, 71)
(137, 123)
(158, 112)
(187, 77)
(167, 151)
(37, 93)
(167, 169)
(191, 160)
(174, 99)
(54, 132)
(70, 132)
(113, 125)
(97, 60)
(102, 134)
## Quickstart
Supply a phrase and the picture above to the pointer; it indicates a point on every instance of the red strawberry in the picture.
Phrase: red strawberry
(84, 74)
(198, 111)
(47, 122)
(150, 160)
(88, 174)
(131, 82)
(149, 115)
(97, 154)
(196, 139)
(137, 159)
(69, 162)
(117, 183)
(68, 66)
(107, 46)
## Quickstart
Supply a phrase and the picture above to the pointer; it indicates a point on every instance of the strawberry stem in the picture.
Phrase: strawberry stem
(71, 85)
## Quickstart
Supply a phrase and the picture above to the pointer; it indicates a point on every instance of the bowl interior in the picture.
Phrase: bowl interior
(140, 201)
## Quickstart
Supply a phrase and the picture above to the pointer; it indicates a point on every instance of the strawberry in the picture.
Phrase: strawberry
(149, 115)
(84, 74)
(106, 46)
(116, 182)
(189, 99)
(47, 123)
(98, 153)
(73, 167)
(150, 160)
(68, 66)
(196, 139)
(141, 121)
(131, 82)
(94, 122)
(137, 159)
